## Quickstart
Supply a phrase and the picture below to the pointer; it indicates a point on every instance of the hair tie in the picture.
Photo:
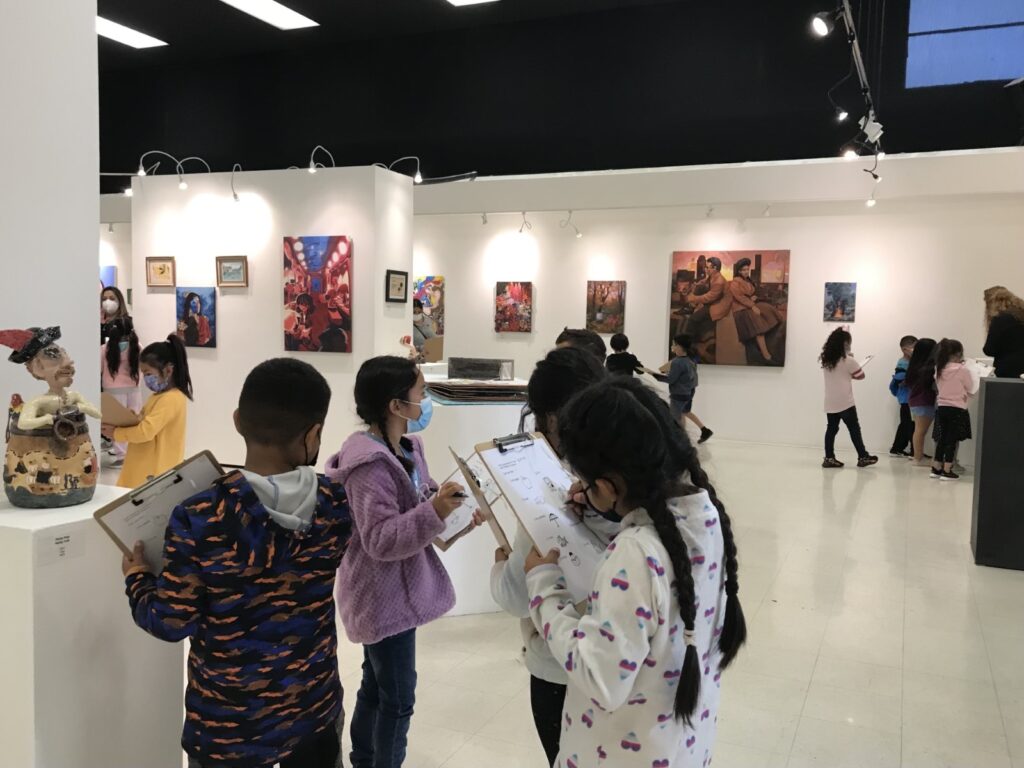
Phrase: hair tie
(690, 637)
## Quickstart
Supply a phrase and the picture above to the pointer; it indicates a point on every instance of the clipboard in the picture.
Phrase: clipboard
(116, 414)
(482, 503)
(535, 487)
(143, 514)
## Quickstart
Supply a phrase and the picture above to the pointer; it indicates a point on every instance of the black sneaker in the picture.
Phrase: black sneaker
(867, 461)
(832, 464)
(949, 476)
(705, 433)
(935, 474)
(900, 454)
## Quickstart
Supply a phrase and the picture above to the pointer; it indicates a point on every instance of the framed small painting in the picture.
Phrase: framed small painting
(396, 287)
(160, 272)
(232, 271)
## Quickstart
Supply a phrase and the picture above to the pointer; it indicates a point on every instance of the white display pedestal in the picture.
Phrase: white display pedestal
(82, 686)
(462, 427)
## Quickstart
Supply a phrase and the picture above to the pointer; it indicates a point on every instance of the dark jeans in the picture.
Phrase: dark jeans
(547, 701)
(905, 431)
(848, 417)
(945, 450)
(380, 723)
(322, 751)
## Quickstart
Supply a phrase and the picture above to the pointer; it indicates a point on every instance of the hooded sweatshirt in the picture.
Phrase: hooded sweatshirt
(391, 579)
(252, 586)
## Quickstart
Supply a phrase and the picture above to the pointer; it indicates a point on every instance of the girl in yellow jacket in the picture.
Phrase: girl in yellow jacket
(157, 443)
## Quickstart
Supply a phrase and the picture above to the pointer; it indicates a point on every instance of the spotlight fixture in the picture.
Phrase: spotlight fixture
(849, 153)
(767, 211)
(568, 222)
(710, 212)
(313, 164)
(880, 155)
(234, 194)
(141, 171)
(417, 177)
(841, 115)
(127, 191)
(871, 202)
(823, 23)
(871, 127)
(312, 167)
(525, 226)
(182, 184)
(874, 175)
(483, 219)
(110, 227)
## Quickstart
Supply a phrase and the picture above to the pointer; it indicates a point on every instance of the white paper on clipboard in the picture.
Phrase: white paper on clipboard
(143, 514)
(536, 486)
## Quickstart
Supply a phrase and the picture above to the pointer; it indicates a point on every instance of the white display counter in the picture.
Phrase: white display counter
(462, 427)
(82, 686)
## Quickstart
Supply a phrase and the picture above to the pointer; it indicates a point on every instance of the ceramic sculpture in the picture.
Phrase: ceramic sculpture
(50, 460)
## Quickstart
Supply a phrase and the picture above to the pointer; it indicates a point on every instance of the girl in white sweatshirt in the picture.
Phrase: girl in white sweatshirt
(644, 662)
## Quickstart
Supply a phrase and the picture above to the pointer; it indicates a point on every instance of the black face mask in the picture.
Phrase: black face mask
(610, 515)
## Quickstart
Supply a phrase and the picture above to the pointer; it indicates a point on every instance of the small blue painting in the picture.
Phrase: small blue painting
(197, 316)
(108, 276)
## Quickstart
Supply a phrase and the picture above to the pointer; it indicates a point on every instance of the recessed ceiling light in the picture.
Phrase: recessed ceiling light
(122, 34)
(273, 13)
(460, 3)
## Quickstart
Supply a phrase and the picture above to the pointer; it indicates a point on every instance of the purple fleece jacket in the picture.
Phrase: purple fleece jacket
(390, 579)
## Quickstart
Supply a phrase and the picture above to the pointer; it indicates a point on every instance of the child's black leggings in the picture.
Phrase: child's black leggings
(945, 451)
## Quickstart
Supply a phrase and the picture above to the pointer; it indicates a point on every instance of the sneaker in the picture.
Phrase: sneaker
(705, 434)
(900, 454)
(867, 461)
(935, 474)
(832, 463)
(949, 476)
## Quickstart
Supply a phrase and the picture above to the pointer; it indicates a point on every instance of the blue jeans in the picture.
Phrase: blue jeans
(380, 723)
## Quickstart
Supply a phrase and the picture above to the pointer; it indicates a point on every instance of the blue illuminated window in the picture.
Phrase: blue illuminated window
(964, 41)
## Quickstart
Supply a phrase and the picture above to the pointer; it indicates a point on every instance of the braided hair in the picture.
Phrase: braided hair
(623, 427)
(379, 381)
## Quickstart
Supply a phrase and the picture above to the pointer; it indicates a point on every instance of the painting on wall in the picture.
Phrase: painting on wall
(606, 306)
(732, 304)
(429, 291)
(396, 286)
(232, 271)
(840, 303)
(108, 276)
(197, 316)
(513, 308)
(160, 272)
(318, 294)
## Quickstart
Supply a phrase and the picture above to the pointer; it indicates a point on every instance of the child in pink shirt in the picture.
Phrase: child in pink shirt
(952, 421)
(841, 370)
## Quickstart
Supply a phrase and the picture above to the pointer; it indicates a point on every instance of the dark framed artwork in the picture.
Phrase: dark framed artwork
(840, 303)
(396, 287)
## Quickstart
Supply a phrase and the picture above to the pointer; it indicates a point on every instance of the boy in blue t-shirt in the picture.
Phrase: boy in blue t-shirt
(682, 384)
(898, 387)
(248, 576)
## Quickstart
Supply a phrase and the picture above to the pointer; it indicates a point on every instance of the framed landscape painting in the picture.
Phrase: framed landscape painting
(160, 272)
(232, 271)
(606, 306)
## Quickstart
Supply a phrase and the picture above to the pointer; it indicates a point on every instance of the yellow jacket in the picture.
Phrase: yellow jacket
(157, 443)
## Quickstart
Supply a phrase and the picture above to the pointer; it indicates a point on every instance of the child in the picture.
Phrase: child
(921, 395)
(391, 581)
(119, 359)
(840, 370)
(663, 620)
(621, 362)
(952, 421)
(581, 338)
(559, 376)
(682, 384)
(157, 443)
(248, 576)
(899, 390)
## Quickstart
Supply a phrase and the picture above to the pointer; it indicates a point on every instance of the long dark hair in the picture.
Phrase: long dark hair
(834, 349)
(945, 352)
(623, 427)
(379, 381)
(160, 354)
(921, 368)
(118, 330)
(559, 376)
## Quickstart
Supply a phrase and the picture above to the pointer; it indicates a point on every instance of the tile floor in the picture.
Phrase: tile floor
(874, 640)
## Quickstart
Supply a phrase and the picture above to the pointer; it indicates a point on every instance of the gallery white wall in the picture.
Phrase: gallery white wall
(116, 251)
(920, 266)
(372, 206)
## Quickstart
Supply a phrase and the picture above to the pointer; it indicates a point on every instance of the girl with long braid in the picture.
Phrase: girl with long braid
(391, 581)
(663, 620)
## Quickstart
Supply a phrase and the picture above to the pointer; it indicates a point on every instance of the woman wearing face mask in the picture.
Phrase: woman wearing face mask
(391, 581)
(194, 327)
(157, 443)
(119, 358)
(422, 325)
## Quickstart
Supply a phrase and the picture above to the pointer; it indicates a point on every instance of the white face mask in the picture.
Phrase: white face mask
(110, 306)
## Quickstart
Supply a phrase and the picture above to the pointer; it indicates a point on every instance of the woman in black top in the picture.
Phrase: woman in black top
(1004, 316)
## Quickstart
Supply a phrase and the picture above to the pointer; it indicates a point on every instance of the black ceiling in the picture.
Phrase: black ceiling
(517, 86)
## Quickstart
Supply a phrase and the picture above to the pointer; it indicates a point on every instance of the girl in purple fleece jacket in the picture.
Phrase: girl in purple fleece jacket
(390, 580)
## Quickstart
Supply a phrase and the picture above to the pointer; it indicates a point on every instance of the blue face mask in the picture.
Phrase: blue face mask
(426, 412)
(156, 384)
